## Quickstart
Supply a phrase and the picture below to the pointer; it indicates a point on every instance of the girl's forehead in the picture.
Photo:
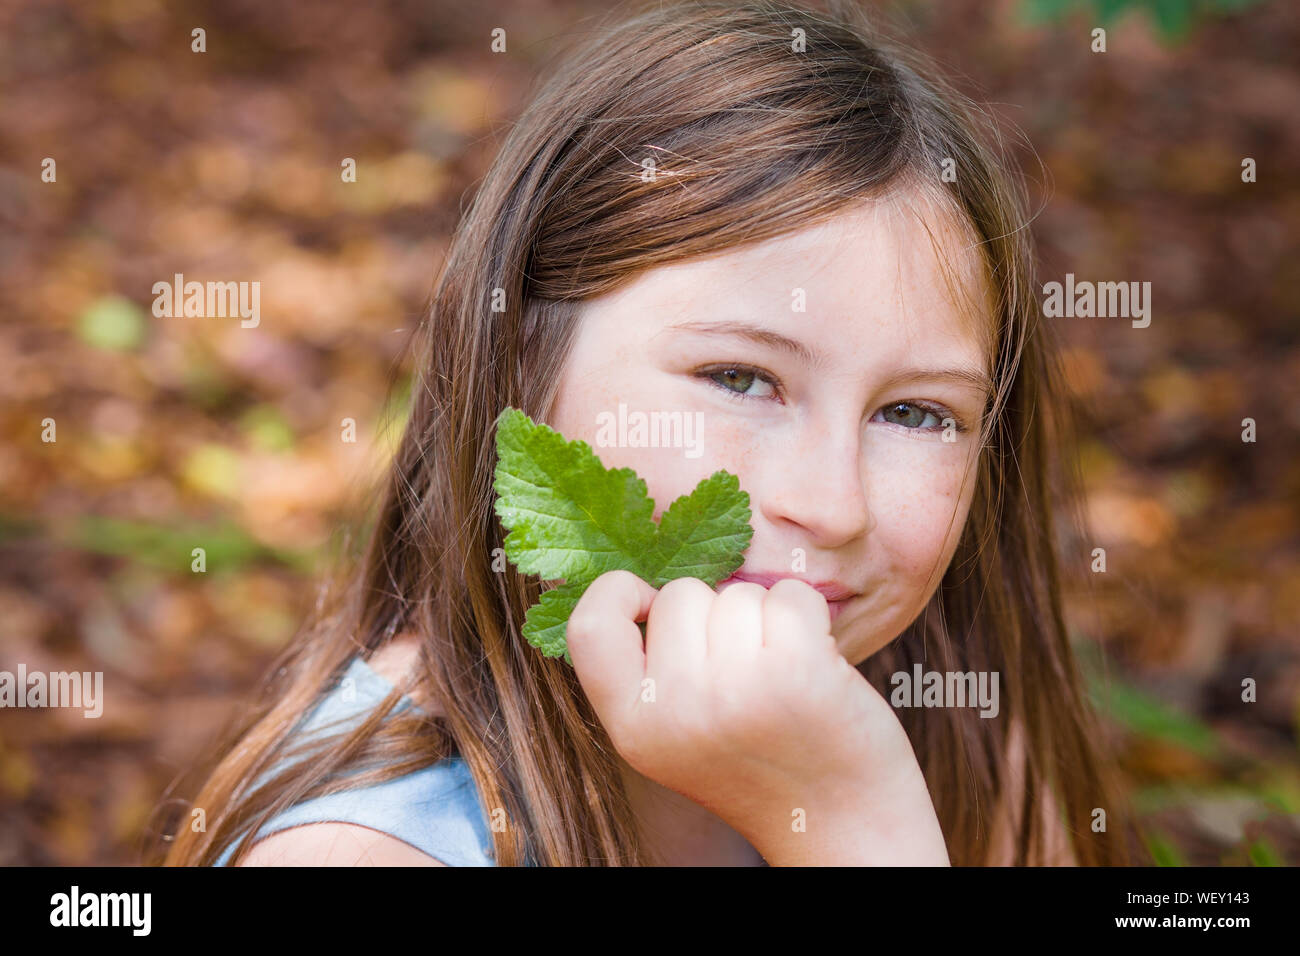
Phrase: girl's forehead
(907, 258)
(957, 257)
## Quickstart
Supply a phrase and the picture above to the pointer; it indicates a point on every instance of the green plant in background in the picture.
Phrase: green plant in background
(1173, 19)
(113, 324)
(393, 417)
(571, 518)
(1162, 850)
(1148, 716)
(1261, 853)
(168, 547)
(1245, 786)
(267, 429)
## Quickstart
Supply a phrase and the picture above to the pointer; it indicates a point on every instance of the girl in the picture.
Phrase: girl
(781, 222)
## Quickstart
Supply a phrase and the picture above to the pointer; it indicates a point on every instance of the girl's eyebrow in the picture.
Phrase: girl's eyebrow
(969, 377)
(963, 375)
(758, 335)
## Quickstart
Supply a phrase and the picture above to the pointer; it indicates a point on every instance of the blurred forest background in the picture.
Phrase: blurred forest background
(177, 432)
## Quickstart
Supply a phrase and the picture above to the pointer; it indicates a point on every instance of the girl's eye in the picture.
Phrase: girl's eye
(741, 383)
(913, 415)
(738, 381)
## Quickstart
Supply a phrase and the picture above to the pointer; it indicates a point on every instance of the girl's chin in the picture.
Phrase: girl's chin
(855, 645)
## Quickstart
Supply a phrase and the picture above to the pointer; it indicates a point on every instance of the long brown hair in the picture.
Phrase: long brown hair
(752, 137)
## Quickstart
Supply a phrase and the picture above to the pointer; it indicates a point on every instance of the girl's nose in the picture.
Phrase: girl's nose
(818, 485)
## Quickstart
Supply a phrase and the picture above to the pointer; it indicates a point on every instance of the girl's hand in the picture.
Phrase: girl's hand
(741, 702)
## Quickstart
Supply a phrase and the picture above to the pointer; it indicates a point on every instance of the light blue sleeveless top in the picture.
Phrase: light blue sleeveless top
(435, 809)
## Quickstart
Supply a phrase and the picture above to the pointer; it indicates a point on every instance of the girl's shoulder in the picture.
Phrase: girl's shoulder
(335, 844)
(395, 662)
(430, 817)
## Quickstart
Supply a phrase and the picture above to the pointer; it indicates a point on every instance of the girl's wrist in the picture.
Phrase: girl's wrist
(880, 822)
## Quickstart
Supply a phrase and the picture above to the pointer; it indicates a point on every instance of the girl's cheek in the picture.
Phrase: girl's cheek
(730, 445)
(720, 443)
(919, 504)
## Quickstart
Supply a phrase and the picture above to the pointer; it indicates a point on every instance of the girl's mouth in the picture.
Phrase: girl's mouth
(837, 607)
(837, 595)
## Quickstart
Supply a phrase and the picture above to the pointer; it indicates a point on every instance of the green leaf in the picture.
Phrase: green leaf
(570, 518)
(704, 534)
(569, 515)
(545, 621)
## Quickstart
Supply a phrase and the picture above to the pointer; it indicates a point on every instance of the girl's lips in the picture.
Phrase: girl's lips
(837, 596)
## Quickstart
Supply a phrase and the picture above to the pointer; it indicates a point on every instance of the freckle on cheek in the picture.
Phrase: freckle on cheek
(729, 448)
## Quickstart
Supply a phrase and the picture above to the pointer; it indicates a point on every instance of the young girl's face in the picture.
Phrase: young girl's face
(833, 372)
